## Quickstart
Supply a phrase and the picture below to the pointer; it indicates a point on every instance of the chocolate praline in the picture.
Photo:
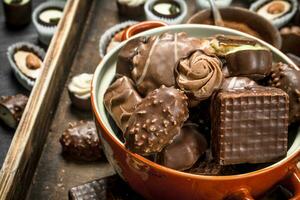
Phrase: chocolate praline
(50, 16)
(166, 8)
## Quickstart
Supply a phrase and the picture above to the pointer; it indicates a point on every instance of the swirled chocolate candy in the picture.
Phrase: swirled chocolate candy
(234, 83)
(156, 121)
(120, 99)
(80, 140)
(250, 125)
(199, 75)
(11, 109)
(154, 63)
(185, 150)
(288, 79)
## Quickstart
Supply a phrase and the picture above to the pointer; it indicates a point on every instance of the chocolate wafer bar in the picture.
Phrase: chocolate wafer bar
(250, 125)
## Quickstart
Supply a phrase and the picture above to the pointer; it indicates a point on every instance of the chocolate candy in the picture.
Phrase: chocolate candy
(156, 121)
(288, 79)
(250, 125)
(154, 63)
(199, 75)
(120, 99)
(166, 9)
(185, 150)
(80, 140)
(234, 83)
(11, 109)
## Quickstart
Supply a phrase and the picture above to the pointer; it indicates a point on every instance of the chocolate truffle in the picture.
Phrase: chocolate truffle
(80, 140)
(249, 125)
(199, 75)
(166, 8)
(11, 109)
(288, 79)
(120, 100)
(234, 83)
(50, 16)
(17, 12)
(185, 150)
(156, 121)
(80, 91)
(151, 69)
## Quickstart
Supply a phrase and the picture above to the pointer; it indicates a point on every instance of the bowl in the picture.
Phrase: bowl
(154, 181)
(262, 26)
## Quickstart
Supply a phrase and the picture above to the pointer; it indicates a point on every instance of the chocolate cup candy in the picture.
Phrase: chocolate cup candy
(17, 15)
(156, 121)
(11, 109)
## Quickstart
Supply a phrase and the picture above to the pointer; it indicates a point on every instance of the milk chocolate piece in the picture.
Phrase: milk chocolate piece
(156, 121)
(154, 63)
(81, 141)
(185, 150)
(250, 125)
(11, 109)
(199, 75)
(234, 83)
(288, 79)
(120, 99)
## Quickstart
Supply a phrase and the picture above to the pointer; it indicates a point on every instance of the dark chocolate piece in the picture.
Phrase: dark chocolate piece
(185, 150)
(120, 99)
(166, 9)
(135, 12)
(154, 63)
(50, 16)
(11, 109)
(156, 121)
(234, 83)
(288, 79)
(291, 40)
(250, 125)
(199, 75)
(17, 13)
(81, 141)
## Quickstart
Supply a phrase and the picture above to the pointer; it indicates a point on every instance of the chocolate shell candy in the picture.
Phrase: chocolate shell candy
(11, 109)
(288, 79)
(120, 100)
(249, 125)
(156, 121)
(198, 75)
(81, 141)
(154, 63)
(185, 150)
(234, 83)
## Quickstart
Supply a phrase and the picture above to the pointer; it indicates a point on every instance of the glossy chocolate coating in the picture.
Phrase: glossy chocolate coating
(11, 109)
(234, 83)
(154, 63)
(255, 64)
(250, 125)
(81, 141)
(199, 75)
(185, 150)
(17, 15)
(156, 121)
(288, 79)
(120, 99)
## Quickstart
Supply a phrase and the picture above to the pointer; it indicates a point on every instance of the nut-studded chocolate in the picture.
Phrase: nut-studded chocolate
(11, 109)
(288, 79)
(185, 150)
(120, 99)
(80, 140)
(156, 121)
(154, 63)
(249, 125)
(199, 75)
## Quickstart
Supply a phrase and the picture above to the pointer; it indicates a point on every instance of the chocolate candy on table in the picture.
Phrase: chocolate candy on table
(234, 83)
(120, 99)
(250, 125)
(287, 78)
(156, 121)
(81, 141)
(11, 109)
(199, 75)
(166, 9)
(185, 150)
(17, 12)
(154, 63)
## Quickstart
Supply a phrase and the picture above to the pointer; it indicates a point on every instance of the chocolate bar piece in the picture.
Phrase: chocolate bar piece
(250, 125)
(120, 99)
(11, 109)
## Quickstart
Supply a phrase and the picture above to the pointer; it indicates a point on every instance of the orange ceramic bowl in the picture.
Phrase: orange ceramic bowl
(154, 181)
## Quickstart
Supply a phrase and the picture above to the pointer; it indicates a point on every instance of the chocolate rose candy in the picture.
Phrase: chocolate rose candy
(81, 141)
(287, 78)
(199, 75)
(234, 83)
(156, 121)
(120, 99)
(185, 150)
(11, 109)
(154, 63)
